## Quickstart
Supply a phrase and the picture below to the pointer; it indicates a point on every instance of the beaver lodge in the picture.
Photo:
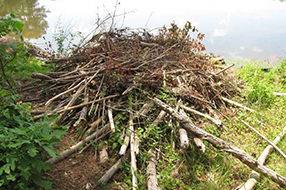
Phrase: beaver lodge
(126, 97)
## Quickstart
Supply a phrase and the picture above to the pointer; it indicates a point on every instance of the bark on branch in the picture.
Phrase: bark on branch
(223, 145)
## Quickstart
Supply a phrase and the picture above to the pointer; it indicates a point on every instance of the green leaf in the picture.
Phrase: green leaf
(7, 168)
(11, 177)
(4, 92)
(114, 146)
(18, 144)
(50, 151)
(1, 170)
(32, 151)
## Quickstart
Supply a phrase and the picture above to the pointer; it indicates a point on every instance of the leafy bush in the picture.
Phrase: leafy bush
(12, 52)
(24, 144)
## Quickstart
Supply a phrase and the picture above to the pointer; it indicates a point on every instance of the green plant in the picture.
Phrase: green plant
(24, 144)
(260, 85)
(12, 51)
(65, 40)
(281, 70)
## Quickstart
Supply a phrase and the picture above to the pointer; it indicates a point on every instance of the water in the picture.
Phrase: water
(237, 29)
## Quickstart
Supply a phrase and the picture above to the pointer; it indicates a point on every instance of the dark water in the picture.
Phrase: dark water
(237, 29)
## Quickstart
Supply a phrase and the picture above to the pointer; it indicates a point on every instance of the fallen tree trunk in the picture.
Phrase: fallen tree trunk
(223, 145)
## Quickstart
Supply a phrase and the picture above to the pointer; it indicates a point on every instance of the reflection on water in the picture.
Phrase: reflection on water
(236, 29)
(29, 11)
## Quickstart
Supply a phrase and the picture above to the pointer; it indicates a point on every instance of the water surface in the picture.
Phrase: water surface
(237, 29)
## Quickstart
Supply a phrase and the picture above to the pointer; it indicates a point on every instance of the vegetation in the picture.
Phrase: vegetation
(24, 143)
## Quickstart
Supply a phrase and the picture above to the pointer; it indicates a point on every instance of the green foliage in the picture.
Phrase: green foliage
(24, 144)
(14, 60)
(8, 25)
(281, 71)
(11, 25)
(260, 85)
(65, 39)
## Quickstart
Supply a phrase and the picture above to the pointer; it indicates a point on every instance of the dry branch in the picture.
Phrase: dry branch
(224, 69)
(158, 119)
(254, 177)
(237, 104)
(75, 107)
(184, 139)
(41, 76)
(103, 155)
(132, 153)
(110, 117)
(217, 122)
(108, 175)
(75, 147)
(63, 93)
(276, 148)
(223, 145)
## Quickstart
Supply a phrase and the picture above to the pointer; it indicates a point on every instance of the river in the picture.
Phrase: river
(237, 29)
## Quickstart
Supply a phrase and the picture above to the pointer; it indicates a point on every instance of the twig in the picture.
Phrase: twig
(63, 93)
(278, 149)
(75, 107)
(237, 104)
(110, 117)
(217, 122)
(224, 69)
(158, 119)
(279, 94)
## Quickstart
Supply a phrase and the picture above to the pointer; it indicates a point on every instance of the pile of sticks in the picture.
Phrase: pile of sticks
(138, 74)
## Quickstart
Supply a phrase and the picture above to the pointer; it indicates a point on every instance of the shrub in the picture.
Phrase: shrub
(24, 144)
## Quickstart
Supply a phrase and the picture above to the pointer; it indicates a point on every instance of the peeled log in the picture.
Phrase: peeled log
(221, 144)
(184, 139)
(152, 183)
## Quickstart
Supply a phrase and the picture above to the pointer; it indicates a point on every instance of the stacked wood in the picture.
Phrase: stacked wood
(113, 78)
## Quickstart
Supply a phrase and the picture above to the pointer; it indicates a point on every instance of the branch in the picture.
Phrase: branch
(223, 145)
(278, 149)
(254, 177)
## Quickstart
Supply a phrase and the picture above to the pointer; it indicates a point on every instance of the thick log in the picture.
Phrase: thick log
(184, 139)
(223, 145)
(152, 183)
(103, 155)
